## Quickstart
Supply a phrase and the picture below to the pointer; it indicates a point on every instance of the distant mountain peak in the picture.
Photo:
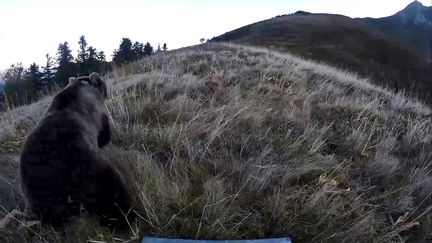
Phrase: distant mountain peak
(411, 26)
(414, 13)
(415, 4)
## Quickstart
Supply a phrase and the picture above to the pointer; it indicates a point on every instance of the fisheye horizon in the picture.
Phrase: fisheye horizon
(29, 29)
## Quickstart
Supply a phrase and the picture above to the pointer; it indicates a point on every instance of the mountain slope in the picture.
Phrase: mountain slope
(411, 26)
(1, 91)
(343, 42)
(233, 142)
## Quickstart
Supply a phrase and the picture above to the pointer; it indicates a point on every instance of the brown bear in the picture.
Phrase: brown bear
(62, 173)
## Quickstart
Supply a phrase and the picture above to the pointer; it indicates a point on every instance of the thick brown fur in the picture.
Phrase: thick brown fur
(62, 172)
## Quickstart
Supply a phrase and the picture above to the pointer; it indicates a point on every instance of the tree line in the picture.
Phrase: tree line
(26, 85)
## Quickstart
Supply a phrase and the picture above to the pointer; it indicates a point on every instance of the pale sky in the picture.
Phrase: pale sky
(31, 28)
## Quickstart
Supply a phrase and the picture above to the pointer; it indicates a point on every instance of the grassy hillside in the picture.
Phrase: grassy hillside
(232, 142)
(342, 42)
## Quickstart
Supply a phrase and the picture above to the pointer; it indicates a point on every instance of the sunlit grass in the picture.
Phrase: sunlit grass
(232, 142)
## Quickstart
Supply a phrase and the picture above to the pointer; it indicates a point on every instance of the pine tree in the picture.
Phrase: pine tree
(101, 56)
(18, 89)
(14, 73)
(48, 74)
(165, 47)
(34, 77)
(95, 61)
(103, 65)
(138, 49)
(82, 56)
(125, 53)
(159, 48)
(148, 49)
(64, 55)
(66, 68)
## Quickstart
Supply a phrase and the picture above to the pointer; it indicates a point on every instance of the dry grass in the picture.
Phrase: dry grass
(233, 142)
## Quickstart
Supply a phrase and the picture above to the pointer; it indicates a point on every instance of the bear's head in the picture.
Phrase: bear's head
(93, 79)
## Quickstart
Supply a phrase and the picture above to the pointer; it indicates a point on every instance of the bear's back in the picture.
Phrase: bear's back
(58, 133)
(61, 168)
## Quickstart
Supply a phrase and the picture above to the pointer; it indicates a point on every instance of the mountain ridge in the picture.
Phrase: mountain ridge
(342, 42)
(411, 26)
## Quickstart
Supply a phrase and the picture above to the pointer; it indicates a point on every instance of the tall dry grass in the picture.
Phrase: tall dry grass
(232, 142)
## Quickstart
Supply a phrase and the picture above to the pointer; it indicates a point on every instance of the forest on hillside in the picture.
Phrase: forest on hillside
(26, 85)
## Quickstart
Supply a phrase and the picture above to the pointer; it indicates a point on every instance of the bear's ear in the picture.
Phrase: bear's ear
(94, 79)
(72, 80)
(97, 82)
